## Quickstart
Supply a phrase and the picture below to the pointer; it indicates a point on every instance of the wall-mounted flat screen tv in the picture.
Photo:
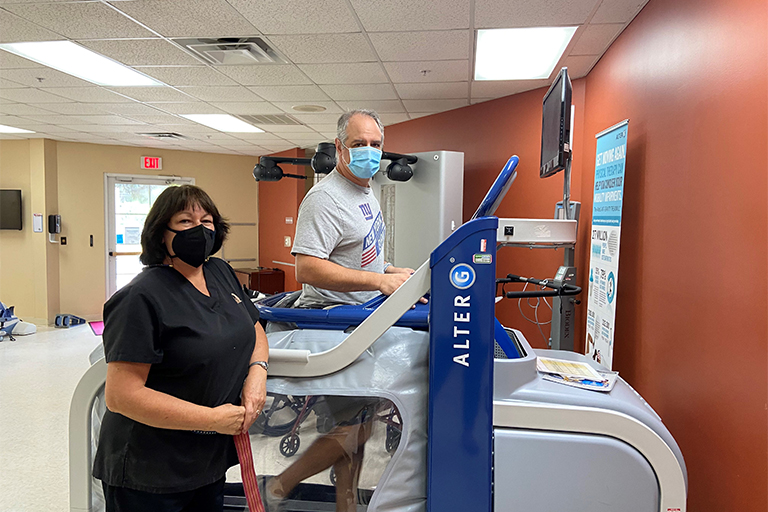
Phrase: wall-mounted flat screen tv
(556, 125)
(10, 209)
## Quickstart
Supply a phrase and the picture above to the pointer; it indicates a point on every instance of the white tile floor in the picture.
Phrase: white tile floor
(38, 374)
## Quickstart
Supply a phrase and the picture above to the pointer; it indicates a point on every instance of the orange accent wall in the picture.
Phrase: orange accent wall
(278, 200)
(692, 319)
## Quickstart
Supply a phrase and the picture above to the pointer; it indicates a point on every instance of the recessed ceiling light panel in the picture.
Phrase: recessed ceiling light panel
(520, 53)
(80, 62)
(223, 123)
(11, 129)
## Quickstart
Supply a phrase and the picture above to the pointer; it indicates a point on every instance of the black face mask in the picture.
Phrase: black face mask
(194, 245)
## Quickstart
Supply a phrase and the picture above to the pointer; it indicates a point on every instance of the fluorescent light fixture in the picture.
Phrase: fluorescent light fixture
(75, 60)
(223, 123)
(11, 129)
(520, 53)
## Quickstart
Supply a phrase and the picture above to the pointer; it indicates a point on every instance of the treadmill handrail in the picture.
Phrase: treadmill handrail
(300, 363)
(80, 423)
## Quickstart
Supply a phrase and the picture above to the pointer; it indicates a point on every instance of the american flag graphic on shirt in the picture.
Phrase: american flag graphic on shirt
(372, 244)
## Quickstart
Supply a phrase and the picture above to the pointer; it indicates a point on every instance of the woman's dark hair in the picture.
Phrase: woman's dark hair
(171, 201)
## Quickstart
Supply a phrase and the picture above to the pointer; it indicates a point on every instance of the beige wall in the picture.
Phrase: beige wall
(17, 275)
(76, 171)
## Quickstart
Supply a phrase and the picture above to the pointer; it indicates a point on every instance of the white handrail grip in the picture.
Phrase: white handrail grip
(287, 355)
(377, 323)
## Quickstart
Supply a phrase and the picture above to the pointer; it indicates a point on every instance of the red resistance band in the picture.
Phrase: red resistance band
(250, 485)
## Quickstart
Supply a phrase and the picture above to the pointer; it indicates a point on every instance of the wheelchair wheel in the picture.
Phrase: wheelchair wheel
(332, 476)
(324, 423)
(289, 445)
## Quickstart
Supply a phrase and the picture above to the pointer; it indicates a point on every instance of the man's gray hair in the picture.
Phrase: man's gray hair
(341, 126)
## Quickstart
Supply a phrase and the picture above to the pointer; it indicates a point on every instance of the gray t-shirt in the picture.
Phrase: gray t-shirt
(341, 222)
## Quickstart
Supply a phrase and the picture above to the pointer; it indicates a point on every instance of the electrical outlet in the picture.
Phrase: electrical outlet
(63, 240)
(287, 241)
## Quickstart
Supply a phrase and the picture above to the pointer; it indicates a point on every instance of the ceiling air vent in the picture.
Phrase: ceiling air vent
(275, 119)
(233, 51)
(165, 135)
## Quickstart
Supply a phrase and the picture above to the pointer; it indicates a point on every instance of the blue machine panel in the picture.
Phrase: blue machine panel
(461, 369)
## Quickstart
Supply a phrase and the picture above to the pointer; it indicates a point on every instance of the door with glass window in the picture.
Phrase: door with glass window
(128, 200)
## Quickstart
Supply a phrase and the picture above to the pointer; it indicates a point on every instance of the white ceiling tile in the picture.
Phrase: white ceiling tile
(388, 119)
(248, 107)
(287, 128)
(319, 48)
(109, 120)
(10, 61)
(325, 128)
(424, 46)
(304, 137)
(269, 74)
(142, 52)
(214, 137)
(160, 118)
(360, 92)
(55, 119)
(580, 65)
(523, 13)
(226, 93)
(256, 137)
(16, 121)
(184, 130)
(117, 128)
(43, 78)
(428, 71)
(194, 18)
(287, 106)
(595, 39)
(399, 15)
(47, 128)
(499, 88)
(187, 75)
(618, 11)
(188, 108)
(274, 147)
(74, 109)
(359, 73)
(14, 29)
(291, 93)
(6, 136)
(22, 109)
(32, 96)
(91, 94)
(475, 101)
(379, 106)
(318, 118)
(331, 136)
(298, 16)
(434, 105)
(127, 108)
(438, 90)
(416, 115)
(153, 94)
(69, 19)
(8, 84)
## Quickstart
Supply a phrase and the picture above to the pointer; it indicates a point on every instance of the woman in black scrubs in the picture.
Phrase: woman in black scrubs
(186, 365)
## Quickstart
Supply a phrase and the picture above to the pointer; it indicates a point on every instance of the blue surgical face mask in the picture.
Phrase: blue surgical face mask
(364, 162)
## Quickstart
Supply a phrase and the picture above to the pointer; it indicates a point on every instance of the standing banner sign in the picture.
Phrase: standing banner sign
(610, 164)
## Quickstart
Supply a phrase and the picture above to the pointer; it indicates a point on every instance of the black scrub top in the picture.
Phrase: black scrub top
(199, 348)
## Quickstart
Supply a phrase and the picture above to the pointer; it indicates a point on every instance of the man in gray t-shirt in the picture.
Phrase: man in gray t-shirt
(340, 231)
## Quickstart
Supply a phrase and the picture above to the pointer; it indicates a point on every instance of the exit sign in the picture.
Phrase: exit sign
(151, 162)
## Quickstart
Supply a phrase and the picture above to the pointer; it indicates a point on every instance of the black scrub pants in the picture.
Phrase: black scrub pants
(209, 498)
